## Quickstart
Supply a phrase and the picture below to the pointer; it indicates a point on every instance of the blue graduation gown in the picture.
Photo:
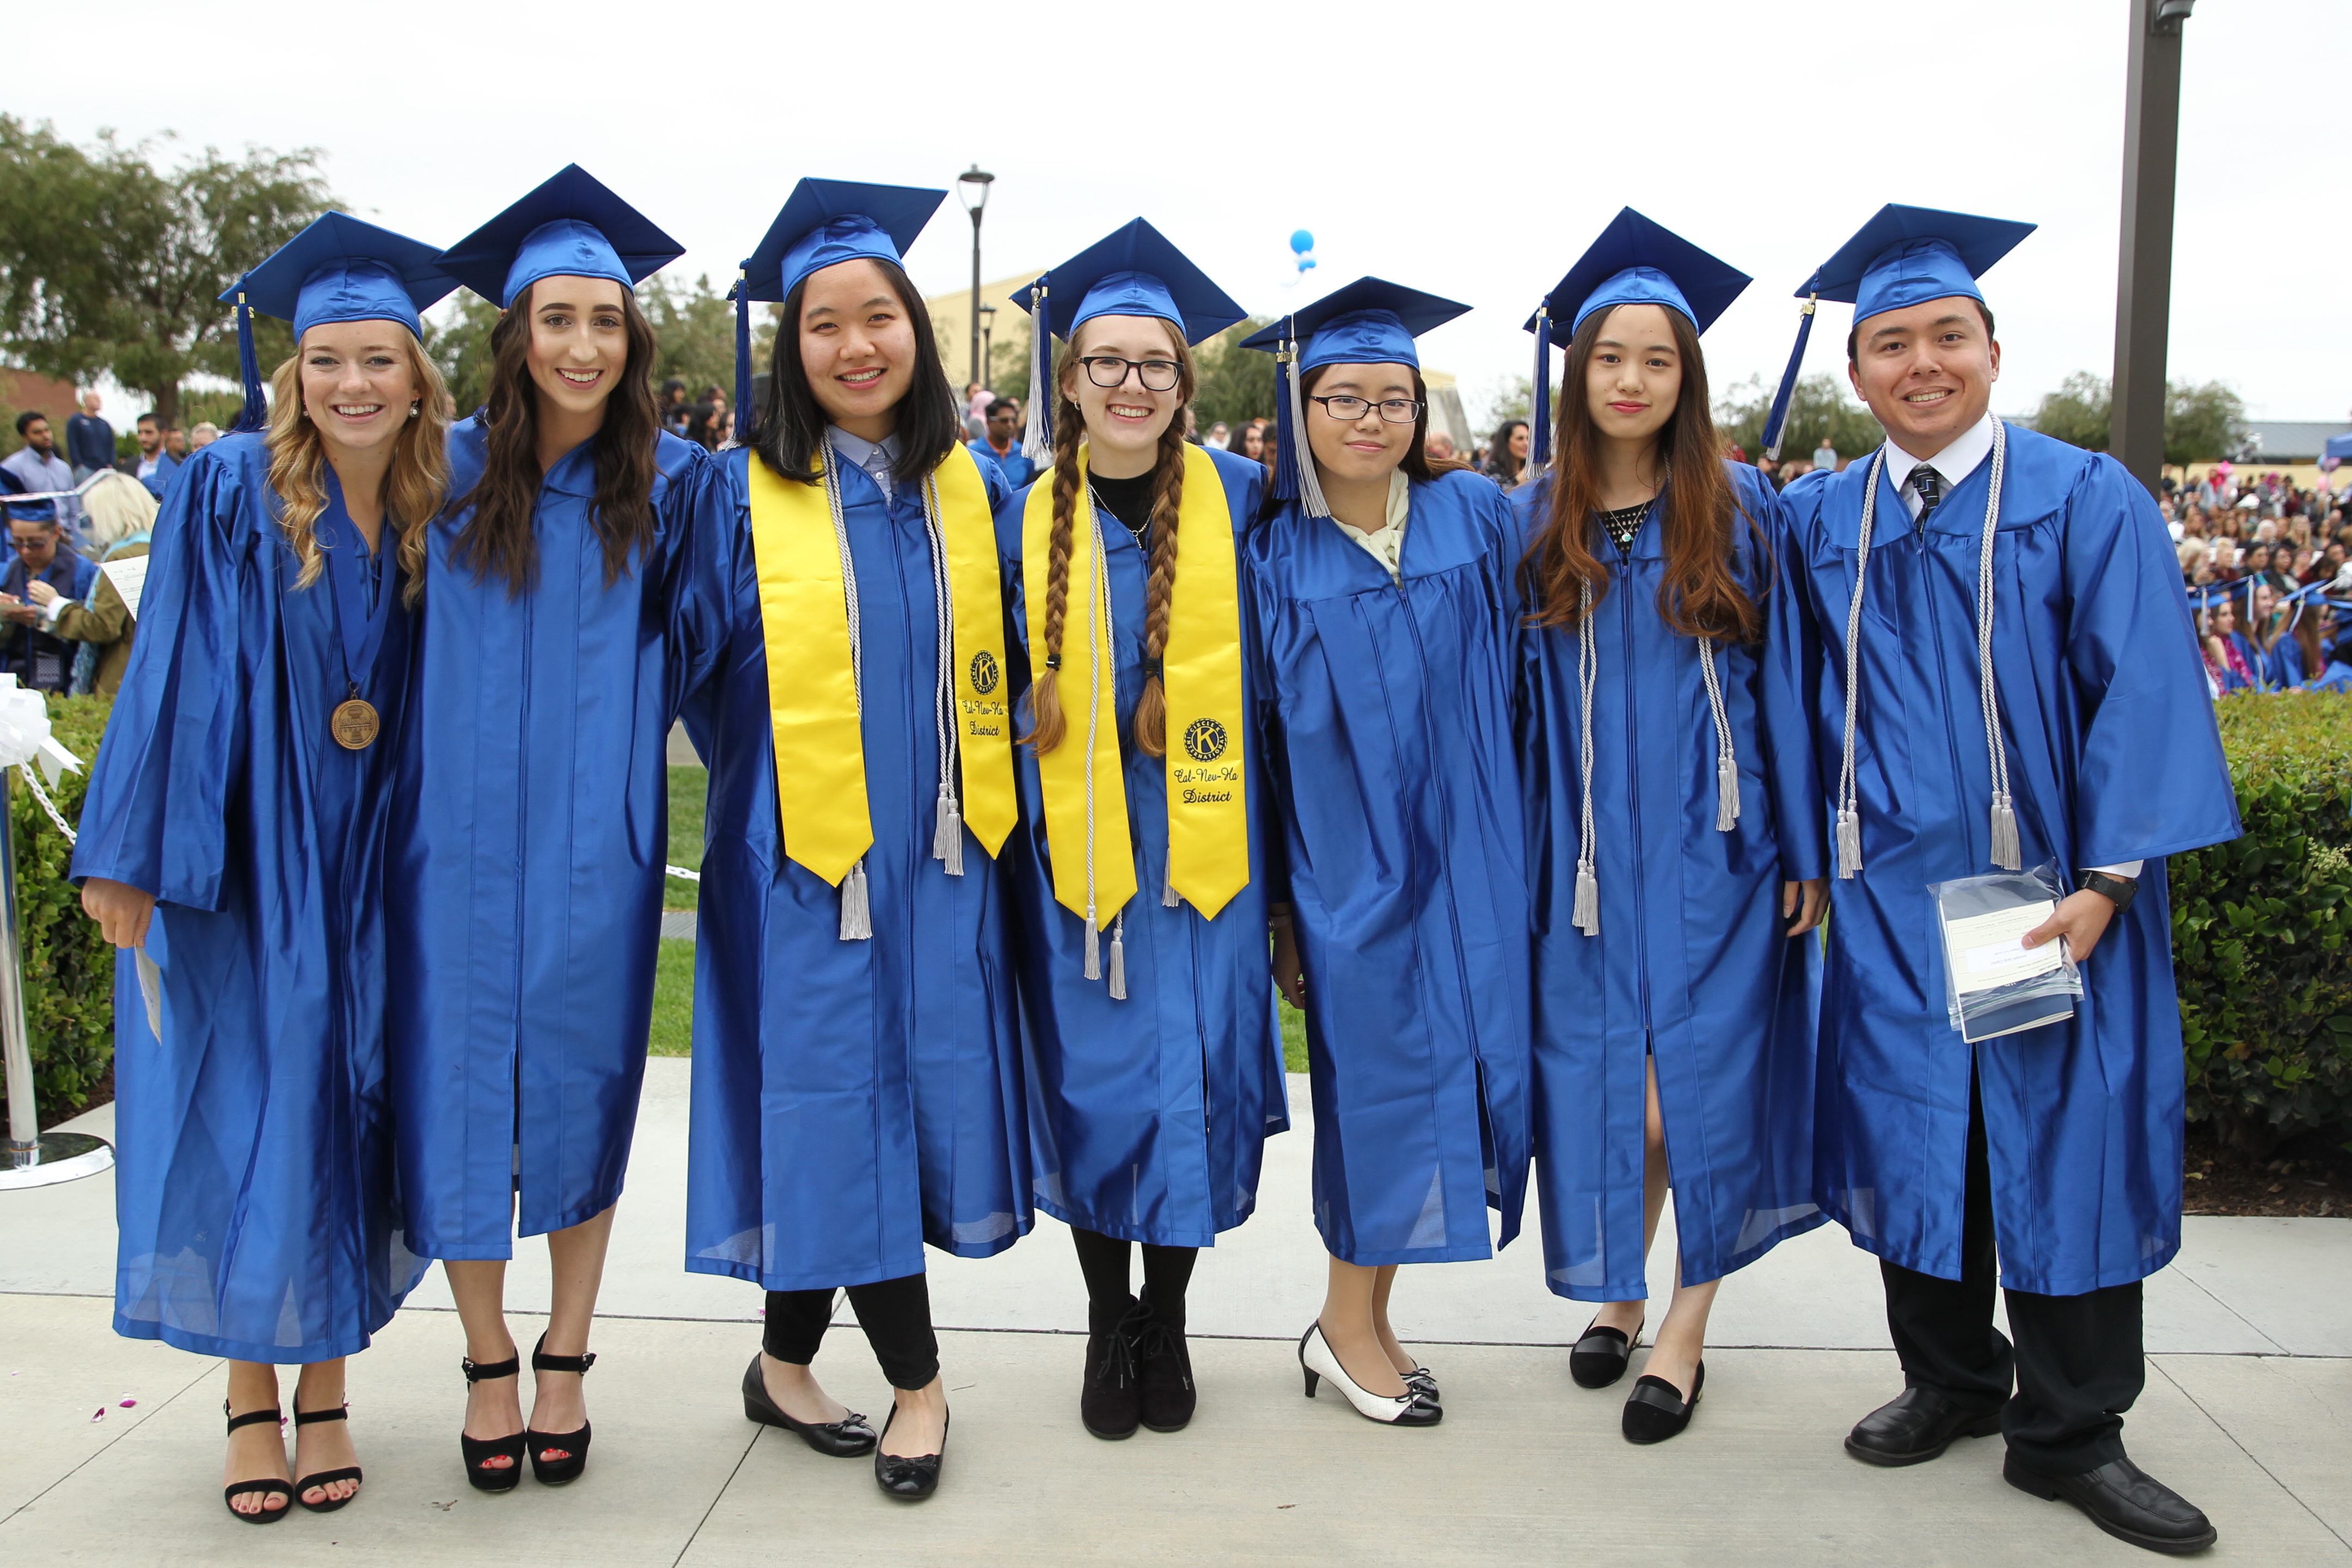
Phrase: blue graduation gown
(1015, 466)
(254, 1181)
(526, 888)
(2113, 757)
(1148, 1118)
(852, 1099)
(1385, 715)
(1690, 962)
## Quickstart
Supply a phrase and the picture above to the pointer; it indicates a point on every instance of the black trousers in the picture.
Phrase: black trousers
(895, 1313)
(2077, 1365)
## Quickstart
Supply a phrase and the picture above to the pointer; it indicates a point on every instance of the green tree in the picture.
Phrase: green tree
(460, 345)
(694, 334)
(1822, 408)
(1236, 384)
(110, 264)
(2079, 413)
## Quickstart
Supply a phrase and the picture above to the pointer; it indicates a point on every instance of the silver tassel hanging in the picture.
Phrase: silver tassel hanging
(856, 915)
(2005, 851)
(1167, 899)
(1849, 842)
(1310, 487)
(1119, 959)
(947, 838)
(1094, 948)
(1587, 917)
(1727, 794)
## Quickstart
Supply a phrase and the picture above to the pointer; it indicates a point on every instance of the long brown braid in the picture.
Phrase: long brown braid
(1047, 721)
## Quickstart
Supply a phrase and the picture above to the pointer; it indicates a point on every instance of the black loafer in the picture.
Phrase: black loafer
(1656, 1409)
(909, 1479)
(2124, 1500)
(1916, 1426)
(1601, 1356)
(843, 1439)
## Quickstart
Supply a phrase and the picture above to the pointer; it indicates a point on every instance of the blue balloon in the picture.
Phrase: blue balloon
(1306, 262)
(1301, 241)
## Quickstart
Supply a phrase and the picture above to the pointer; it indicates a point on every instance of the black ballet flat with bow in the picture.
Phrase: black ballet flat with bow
(909, 1479)
(843, 1439)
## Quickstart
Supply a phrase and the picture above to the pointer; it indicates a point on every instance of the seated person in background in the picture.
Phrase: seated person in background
(120, 515)
(30, 649)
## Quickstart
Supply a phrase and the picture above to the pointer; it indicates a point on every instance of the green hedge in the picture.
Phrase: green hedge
(68, 967)
(2259, 929)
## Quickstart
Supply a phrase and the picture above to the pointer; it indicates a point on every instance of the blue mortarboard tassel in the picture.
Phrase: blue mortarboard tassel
(1540, 420)
(1285, 471)
(743, 357)
(254, 416)
(1037, 439)
(1781, 400)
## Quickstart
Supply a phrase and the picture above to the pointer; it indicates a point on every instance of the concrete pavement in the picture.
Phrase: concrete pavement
(2248, 1411)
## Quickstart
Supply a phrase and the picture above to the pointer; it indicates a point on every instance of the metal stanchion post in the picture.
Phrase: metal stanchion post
(33, 1160)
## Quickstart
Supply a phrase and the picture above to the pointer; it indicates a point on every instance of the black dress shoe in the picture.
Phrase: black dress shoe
(1110, 1402)
(1164, 1371)
(843, 1439)
(1916, 1426)
(1601, 1356)
(1656, 1410)
(2124, 1500)
(909, 1479)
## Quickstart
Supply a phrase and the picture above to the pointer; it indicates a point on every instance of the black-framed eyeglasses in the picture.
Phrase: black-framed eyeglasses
(1348, 409)
(1109, 370)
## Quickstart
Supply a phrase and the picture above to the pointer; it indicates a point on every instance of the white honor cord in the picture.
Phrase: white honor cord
(946, 834)
(2006, 853)
(1727, 758)
(1586, 916)
(856, 911)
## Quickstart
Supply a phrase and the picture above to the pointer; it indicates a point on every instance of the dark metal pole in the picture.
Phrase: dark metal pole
(976, 376)
(2144, 276)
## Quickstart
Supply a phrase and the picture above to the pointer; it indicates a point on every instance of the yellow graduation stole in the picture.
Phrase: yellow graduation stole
(1085, 797)
(812, 680)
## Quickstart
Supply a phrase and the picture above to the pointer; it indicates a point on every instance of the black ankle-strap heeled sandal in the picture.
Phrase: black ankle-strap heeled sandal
(325, 1477)
(268, 1485)
(479, 1450)
(557, 1472)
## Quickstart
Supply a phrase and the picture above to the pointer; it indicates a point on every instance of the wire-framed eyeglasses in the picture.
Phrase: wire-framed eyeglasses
(1348, 409)
(1111, 370)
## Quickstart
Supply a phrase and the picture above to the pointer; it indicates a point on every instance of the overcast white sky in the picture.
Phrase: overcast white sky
(1469, 150)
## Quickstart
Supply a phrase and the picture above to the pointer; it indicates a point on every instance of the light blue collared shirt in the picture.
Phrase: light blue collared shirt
(875, 457)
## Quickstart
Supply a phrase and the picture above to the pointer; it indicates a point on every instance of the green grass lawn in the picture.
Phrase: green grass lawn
(673, 1031)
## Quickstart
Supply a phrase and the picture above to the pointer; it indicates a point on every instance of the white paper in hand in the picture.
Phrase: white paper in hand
(151, 986)
(129, 576)
(1984, 949)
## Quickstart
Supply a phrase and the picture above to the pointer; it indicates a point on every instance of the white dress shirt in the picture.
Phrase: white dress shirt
(1386, 543)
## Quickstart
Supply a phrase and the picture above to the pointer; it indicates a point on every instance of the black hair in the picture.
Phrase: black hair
(1854, 334)
(25, 420)
(148, 418)
(791, 423)
(1001, 403)
(671, 388)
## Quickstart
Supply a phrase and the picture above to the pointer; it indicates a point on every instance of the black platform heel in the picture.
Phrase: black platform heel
(325, 1477)
(478, 1450)
(558, 1472)
(268, 1485)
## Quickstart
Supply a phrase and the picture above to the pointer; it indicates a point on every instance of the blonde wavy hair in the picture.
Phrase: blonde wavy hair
(414, 489)
(118, 506)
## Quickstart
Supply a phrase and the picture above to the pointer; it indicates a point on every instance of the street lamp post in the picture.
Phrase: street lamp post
(2144, 275)
(972, 189)
(987, 343)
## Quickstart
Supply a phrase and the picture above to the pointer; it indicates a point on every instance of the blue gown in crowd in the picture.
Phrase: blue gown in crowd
(2113, 757)
(1690, 962)
(852, 1099)
(254, 1187)
(1017, 467)
(1148, 1117)
(1385, 713)
(526, 892)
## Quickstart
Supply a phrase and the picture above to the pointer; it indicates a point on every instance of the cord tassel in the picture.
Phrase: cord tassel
(947, 840)
(743, 357)
(1037, 439)
(1539, 431)
(1727, 792)
(1776, 421)
(1587, 917)
(856, 914)
(255, 414)
(1292, 437)
(2005, 851)
(1849, 842)
(1167, 899)
(1119, 959)
(1094, 948)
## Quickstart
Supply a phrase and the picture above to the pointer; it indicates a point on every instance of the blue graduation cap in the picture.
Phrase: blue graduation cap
(571, 226)
(1369, 321)
(1902, 257)
(1132, 271)
(824, 223)
(337, 270)
(1633, 262)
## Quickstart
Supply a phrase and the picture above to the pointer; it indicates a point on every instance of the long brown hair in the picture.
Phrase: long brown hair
(1047, 721)
(496, 540)
(1699, 518)
(414, 486)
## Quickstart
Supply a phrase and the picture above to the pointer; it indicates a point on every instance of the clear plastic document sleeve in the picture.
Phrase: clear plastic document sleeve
(1993, 984)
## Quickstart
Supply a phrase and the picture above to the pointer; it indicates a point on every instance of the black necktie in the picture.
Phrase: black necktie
(1930, 487)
